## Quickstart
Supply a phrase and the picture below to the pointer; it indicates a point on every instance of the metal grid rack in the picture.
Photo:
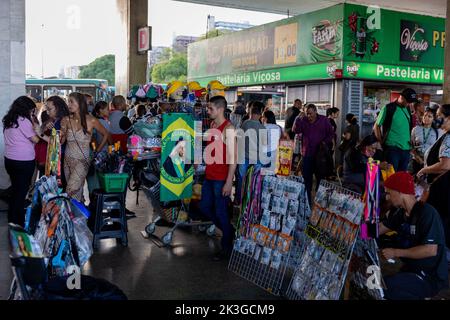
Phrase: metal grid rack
(265, 276)
(298, 246)
(365, 255)
(325, 260)
(260, 274)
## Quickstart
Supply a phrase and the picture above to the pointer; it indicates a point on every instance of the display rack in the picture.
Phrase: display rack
(270, 229)
(331, 235)
(364, 274)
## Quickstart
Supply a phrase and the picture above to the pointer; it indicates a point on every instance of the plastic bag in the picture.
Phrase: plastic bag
(148, 130)
(83, 238)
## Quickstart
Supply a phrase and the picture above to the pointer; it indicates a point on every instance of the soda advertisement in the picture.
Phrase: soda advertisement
(305, 39)
(395, 38)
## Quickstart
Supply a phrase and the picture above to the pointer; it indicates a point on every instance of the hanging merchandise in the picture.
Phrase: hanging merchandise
(176, 90)
(53, 163)
(267, 230)
(369, 227)
(196, 89)
(62, 230)
(140, 93)
(284, 158)
(216, 88)
(331, 231)
(132, 93)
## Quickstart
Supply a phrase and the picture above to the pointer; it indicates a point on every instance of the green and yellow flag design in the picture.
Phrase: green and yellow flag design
(177, 157)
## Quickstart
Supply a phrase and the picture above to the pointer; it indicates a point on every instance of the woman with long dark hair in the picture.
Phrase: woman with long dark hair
(101, 112)
(437, 169)
(57, 109)
(20, 136)
(76, 130)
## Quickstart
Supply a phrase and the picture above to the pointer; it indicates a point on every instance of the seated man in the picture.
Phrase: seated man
(422, 250)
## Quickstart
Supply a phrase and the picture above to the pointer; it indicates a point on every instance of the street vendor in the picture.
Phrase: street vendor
(421, 245)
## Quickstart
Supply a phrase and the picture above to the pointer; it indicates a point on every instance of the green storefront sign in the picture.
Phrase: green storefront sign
(282, 75)
(386, 45)
(370, 71)
(392, 37)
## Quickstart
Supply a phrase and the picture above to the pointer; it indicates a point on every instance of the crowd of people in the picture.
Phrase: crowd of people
(411, 140)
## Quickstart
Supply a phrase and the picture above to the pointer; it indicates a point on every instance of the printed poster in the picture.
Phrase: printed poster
(177, 157)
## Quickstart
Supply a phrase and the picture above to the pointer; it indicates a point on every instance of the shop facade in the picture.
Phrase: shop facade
(352, 57)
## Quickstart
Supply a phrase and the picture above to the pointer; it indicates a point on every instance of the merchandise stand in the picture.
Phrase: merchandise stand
(270, 229)
(331, 233)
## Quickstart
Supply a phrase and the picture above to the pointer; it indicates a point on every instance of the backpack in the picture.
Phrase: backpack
(391, 108)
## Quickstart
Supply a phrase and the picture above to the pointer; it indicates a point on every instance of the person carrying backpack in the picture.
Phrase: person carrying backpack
(393, 130)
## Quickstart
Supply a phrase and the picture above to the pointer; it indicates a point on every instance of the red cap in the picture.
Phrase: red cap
(402, 182)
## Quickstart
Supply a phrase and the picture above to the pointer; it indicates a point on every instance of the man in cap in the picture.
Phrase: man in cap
(393, 129)
(421, 245)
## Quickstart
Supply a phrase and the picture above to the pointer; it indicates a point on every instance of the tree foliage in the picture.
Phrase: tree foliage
(213, 34)
(101, 68)
(172, 67)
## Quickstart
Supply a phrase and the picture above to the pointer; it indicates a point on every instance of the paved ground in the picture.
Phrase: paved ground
(145, 271)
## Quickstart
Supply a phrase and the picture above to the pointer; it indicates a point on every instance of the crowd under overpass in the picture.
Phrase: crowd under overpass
(131, 67)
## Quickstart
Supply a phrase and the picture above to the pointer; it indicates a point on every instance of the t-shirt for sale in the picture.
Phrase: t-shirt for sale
(18, 145)
(422, 227)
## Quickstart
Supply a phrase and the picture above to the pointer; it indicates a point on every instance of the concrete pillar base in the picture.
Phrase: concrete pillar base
(131, 67)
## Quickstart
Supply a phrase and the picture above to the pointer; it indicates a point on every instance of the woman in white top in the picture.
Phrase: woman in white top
(423, 137)
(274, 134)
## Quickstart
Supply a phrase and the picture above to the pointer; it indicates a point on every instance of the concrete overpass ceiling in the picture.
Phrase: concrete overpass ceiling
(429, 7)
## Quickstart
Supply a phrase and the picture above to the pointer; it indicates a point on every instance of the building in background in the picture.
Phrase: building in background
(72, 72)
(156, 55)
(224, 25)
(180, 43)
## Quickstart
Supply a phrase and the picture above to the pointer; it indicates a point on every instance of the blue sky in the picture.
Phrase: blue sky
(75, 32)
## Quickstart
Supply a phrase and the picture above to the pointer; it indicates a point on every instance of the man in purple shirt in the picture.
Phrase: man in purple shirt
(315, 129)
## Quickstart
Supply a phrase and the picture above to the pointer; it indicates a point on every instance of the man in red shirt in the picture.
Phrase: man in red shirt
(220, 158)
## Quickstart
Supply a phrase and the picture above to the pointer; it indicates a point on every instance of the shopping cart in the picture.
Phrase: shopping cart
(146, 177)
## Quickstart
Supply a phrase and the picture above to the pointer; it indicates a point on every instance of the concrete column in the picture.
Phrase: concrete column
(131, 67)
(446, 98)
(12, 64)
